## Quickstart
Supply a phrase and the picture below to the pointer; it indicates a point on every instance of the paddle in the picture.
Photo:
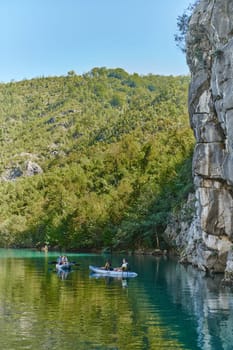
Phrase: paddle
(54, 262)
(74, 263)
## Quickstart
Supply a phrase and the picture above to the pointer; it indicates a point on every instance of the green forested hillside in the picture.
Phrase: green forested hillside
(111, 154)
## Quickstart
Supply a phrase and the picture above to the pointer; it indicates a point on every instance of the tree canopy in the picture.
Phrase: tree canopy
(114, 151)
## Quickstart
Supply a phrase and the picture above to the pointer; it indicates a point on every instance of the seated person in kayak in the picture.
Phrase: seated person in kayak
(107, 266)
(59, 260)
(62, 260)
(124, 266)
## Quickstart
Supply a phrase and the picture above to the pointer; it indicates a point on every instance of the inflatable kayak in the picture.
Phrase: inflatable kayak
(112, 273)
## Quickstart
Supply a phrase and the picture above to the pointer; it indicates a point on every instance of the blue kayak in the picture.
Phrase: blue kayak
(112, 273)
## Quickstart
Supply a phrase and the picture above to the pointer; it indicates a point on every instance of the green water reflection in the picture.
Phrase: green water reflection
(42, 310)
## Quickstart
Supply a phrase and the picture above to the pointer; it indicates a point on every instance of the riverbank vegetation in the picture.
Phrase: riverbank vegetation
(93, 160)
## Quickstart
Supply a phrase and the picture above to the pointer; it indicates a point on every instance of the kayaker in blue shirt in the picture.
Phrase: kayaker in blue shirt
(59, 260)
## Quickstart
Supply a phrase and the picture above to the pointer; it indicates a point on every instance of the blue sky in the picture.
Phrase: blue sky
(52, 37)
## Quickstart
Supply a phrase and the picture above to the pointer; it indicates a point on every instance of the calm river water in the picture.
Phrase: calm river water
(167, 306)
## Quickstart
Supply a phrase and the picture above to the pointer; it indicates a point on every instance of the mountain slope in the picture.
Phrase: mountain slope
(94, 160)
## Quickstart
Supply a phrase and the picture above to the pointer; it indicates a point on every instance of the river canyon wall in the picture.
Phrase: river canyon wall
(207, 242)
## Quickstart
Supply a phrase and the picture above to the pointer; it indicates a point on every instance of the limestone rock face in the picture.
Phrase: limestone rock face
(210, 59)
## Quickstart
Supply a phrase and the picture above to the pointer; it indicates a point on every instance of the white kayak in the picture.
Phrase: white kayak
(112, 273)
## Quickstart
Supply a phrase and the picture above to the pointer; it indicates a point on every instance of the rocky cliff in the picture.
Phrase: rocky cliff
(208, 242)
